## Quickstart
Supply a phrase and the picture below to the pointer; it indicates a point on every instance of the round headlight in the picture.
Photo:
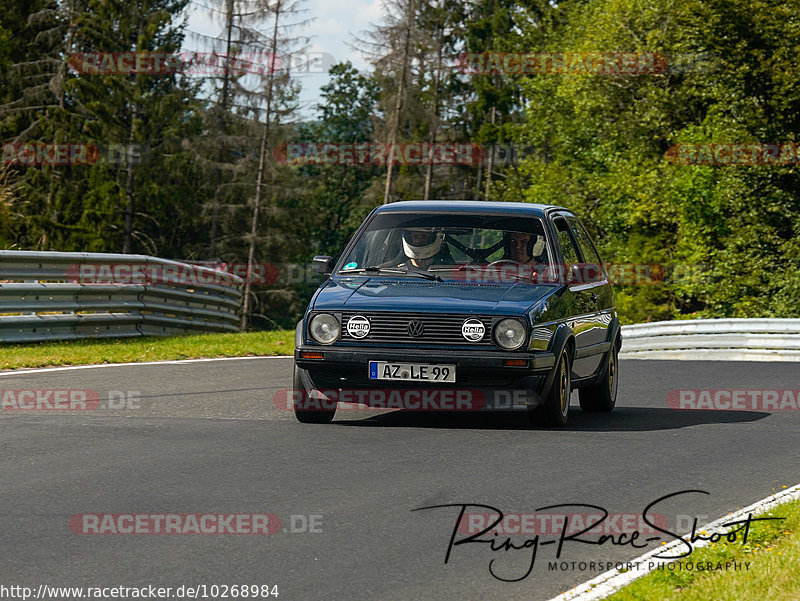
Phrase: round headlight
(324, 328)
(509, 334)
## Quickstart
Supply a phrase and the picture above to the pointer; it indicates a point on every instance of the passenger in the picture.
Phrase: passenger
(525, 248)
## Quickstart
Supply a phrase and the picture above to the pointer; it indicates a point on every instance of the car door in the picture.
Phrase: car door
(593, 281)
(585, 322)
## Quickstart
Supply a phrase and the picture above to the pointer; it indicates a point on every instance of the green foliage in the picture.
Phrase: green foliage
(601, 141)
(83, 207)
(334, 195)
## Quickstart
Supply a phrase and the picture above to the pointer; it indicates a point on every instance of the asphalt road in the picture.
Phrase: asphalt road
(207, 438)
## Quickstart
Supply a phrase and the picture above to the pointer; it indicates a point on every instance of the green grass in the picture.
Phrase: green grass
(151, 348)
(773, 550)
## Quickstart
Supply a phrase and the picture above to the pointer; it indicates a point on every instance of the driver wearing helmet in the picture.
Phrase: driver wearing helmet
(424, 247)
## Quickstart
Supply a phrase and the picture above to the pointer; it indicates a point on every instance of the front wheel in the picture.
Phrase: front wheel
(601, 397)
(308, 410)
(555, 409)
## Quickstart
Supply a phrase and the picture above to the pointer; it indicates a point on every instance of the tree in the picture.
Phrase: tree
(121, 202)
(602, 142)
(279, 94)
(391, 47)
(334, 195)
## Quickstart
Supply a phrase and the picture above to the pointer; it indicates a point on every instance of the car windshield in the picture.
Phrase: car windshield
(447, 244)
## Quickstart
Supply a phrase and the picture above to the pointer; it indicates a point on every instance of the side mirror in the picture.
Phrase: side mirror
(322, 264)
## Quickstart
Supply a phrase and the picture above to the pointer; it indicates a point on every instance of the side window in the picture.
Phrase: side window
(588, 251)
(590, 255)
(568, 250)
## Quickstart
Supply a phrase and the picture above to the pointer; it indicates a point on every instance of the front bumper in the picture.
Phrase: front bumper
(480, 372)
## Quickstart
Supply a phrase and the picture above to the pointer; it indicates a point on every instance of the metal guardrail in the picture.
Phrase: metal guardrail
(44, 296)
(714, 339)
(60, 296)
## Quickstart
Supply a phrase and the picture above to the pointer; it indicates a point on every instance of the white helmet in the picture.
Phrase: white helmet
(538, 246)
(422, 246)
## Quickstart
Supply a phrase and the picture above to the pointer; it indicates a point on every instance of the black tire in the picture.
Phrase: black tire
(554, 411)
(602, 396)
(323, 415)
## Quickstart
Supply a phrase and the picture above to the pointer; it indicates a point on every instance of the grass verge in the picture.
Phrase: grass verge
(772, 549)
(150, 348)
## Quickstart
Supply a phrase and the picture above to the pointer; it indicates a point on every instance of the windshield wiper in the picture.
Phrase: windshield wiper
(402, 270)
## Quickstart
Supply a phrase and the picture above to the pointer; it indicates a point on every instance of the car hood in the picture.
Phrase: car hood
(381, 294)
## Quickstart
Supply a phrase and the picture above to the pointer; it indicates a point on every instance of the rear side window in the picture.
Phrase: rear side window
(587, 249)
(594, 270)
(568, 249)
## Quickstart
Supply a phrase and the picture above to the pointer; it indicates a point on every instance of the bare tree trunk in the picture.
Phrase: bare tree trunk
(62, 69)
(127, 244)
(490, 166)
(61, 79)
(398, 105)
(261, 167)
(478, 181)
(254, 228)
(435, 127)
(221, 126)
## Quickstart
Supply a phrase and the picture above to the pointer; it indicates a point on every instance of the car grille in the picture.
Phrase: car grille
(438, 329)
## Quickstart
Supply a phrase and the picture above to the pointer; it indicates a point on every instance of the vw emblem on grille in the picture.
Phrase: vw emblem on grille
(473, 330)
(358, 326)
(416, 328)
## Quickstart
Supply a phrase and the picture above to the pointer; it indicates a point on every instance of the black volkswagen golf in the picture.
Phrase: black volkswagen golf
(460, 305)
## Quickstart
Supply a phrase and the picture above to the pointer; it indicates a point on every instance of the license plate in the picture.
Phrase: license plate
(420, 372)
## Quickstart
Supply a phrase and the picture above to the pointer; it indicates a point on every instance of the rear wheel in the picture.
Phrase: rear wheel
(601, 397)
(310, 409)
(555, 409)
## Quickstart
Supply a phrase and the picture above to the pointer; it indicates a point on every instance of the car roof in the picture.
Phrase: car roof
(467, 206)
